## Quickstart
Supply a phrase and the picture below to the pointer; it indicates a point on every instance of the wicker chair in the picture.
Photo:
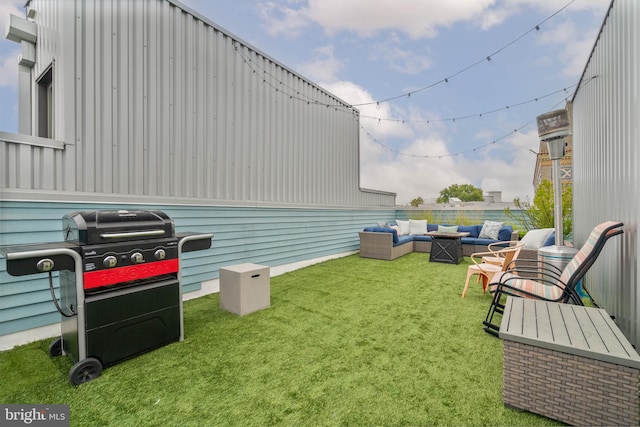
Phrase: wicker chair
(552, 284)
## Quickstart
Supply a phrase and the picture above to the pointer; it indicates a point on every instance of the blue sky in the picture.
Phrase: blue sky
(365, 51)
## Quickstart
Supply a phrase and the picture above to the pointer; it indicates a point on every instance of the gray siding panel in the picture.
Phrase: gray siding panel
(606, 132)
(268, 236)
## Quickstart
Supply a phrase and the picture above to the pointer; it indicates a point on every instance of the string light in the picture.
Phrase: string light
(275, 86)
(350, 108)
(473, 149)
(441, 156)
(478, 115)
(347, 108)
(487, 58)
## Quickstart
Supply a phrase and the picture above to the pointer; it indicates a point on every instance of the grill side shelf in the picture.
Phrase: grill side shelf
(190, 241)
(23, 260)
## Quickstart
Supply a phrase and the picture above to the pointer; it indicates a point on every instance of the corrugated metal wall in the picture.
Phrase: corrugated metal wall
(606, 159)
(154, 100)
(266, 236)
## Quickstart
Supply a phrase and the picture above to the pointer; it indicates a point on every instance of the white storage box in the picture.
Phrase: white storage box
(245, 288)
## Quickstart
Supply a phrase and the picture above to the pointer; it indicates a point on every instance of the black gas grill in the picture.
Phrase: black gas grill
(122, 248)
(120, 290)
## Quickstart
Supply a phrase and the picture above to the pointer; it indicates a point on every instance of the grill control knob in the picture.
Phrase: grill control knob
(110, 261)
(137, 258)
(45, 265)
(160, 254)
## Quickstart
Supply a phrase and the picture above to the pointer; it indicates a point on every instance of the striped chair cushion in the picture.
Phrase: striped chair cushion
(584, 252)
(548, 292)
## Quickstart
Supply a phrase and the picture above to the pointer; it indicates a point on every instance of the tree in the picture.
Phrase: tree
(417, 202)
(464, 192)
(540, 213)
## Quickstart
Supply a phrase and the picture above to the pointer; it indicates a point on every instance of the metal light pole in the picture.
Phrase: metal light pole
(553, 128)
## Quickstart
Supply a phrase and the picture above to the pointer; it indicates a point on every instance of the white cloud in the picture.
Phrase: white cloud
(492, 18)
(502, 10)
(367, 17)
(514, 176)
(11, 50)
(9, 69)
(569, 45)
(574, 45)
(324, 66)
(403, 157)
(553, 5)
(410, 176)
(283, 20)
(400, 59)
(356, 95)
(392, 157)
(415, 19)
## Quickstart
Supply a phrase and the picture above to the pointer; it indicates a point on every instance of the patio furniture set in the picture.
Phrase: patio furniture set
(562, 360)
(389, 241)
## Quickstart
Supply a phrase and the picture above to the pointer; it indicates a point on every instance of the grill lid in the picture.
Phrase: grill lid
(94, 227)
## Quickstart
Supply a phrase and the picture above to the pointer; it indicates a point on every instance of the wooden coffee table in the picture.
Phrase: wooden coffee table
(446, 247)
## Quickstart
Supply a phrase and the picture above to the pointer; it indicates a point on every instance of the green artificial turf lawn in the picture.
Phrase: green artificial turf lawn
(351, 341)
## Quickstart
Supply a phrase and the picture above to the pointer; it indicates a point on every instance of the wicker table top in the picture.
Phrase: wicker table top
(572, 329)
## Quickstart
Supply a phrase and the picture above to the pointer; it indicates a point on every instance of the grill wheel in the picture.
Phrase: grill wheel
(55, 349)
(85, 370)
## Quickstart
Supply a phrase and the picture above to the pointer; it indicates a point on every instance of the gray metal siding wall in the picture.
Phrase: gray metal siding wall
(268, 236)
(606, 159)
(155, 100)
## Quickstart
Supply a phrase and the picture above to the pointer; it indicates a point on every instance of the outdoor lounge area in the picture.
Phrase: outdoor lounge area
(352, 341)
(154, 105)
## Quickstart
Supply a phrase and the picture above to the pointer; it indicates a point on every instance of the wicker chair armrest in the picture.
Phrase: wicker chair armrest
(495, 252)
(479, 255)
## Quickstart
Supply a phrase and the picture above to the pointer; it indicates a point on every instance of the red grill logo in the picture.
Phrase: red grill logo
(95, 279)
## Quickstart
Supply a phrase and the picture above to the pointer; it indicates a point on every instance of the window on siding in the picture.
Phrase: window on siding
(44, 110)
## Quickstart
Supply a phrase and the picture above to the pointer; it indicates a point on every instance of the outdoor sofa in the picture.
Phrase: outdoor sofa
(388, 242)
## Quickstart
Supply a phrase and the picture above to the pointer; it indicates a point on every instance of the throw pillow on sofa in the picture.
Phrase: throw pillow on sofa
(404, 227)
(490, 230)
(505, 233)
(551, 240)
(535, 239)
(447, 229)
(417, 227)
